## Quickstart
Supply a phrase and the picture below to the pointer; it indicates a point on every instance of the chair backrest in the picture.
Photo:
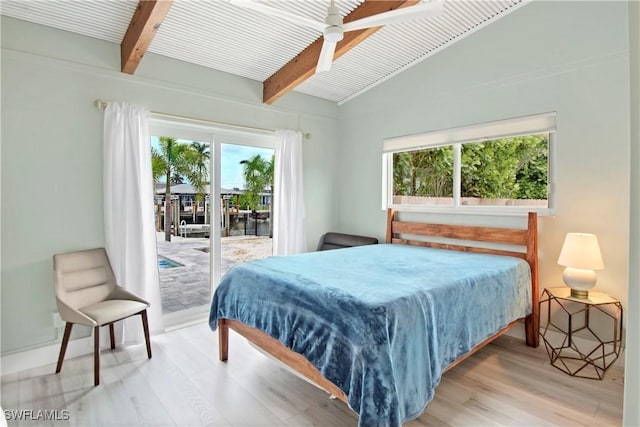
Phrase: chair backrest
(341, 240)
(83, 278)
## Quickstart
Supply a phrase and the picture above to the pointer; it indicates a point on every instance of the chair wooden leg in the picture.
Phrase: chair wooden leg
(96, 355)
(112, 336)
(145, 326)
(63, 346)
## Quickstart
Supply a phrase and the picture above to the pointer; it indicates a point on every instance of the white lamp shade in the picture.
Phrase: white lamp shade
(581, 250)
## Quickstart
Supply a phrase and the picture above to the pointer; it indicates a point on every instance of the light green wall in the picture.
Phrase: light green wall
(569, 57)
(52, 152)
(632, 367)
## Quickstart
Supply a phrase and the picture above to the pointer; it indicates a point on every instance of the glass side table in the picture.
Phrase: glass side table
(582, 336)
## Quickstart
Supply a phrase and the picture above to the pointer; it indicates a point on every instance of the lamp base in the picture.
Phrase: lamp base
(580, 281)
(575, 293)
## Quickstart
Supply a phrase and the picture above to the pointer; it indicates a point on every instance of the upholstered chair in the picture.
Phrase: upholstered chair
(87, 294)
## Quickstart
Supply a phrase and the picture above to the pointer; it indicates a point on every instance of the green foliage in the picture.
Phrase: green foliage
(426, 172)
(258, 174)
(488, 170)
(171, 161)
(509, 168)
(243, 201)
(198, 164)
(157, 165)
(532, 175)
(175, 161)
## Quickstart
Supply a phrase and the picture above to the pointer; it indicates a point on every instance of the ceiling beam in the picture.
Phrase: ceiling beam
(303, 65)
(143, 26)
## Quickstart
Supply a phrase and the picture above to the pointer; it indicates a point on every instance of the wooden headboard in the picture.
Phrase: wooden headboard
(468, 235)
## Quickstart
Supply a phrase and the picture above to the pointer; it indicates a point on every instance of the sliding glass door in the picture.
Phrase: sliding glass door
(213, 209)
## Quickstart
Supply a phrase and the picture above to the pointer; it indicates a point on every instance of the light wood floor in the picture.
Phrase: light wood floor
(184, 384)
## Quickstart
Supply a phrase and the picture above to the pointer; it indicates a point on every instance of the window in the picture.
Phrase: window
(500, 166)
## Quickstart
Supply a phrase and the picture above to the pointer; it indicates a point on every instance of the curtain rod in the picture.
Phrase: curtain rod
(101, 105)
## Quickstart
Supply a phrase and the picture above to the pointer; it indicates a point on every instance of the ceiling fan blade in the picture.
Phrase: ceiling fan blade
(326, 56)
(278, 13)
(419, 11)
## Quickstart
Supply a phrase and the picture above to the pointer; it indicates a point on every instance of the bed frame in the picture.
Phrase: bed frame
(467, 235)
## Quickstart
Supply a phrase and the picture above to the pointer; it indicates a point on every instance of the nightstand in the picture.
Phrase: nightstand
(582, 336)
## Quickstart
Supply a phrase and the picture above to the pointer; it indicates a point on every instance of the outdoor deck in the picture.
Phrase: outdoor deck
(188, 286)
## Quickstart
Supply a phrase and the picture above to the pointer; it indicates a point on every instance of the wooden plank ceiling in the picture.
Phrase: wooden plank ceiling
(303, 65)
(222, 36)
(150, 14)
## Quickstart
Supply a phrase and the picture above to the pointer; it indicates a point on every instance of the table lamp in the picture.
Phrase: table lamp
(580, 255)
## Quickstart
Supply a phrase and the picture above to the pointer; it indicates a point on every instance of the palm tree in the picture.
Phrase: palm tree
(157, 170)
(258, 174)
(199, 171)
(270, 175)
(256, 178)
(171, 160)
(157, 165)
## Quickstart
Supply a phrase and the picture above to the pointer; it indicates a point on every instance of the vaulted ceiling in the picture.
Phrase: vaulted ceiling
(223, 36)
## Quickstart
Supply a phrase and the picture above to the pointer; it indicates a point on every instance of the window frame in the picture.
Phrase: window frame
(456, 137)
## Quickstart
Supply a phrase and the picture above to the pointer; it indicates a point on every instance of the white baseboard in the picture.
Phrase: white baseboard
(40, 356)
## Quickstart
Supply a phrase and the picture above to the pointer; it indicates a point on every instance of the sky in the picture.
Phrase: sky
(231, 156)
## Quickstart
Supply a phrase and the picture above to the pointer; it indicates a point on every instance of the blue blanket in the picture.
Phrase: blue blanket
(381, 322)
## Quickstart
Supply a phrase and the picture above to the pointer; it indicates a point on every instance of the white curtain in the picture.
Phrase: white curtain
(288, 207)
(128, 212)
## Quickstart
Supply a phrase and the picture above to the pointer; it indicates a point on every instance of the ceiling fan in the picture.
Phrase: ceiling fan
(333, 28)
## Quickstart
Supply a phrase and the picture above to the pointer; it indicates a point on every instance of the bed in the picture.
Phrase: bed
(377, 326)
